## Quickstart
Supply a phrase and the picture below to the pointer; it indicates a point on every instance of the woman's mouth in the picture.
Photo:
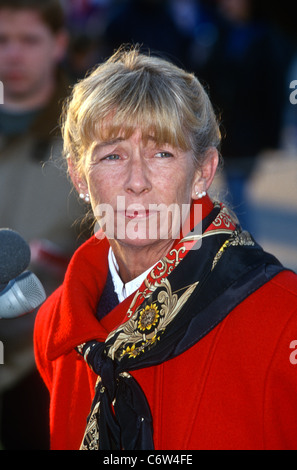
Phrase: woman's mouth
(137, 214)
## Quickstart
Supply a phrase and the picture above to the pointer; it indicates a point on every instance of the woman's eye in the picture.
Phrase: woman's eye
(163, 155)
(112, 157)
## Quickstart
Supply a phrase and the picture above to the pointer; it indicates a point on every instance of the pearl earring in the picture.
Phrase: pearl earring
(200, 195)
(85, 197)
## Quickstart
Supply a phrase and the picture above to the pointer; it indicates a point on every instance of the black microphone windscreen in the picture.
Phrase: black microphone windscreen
(15, 255)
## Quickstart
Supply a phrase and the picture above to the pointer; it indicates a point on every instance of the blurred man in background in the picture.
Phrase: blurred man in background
(33, 43)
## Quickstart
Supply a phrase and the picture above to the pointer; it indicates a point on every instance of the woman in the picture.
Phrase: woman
(185, 326)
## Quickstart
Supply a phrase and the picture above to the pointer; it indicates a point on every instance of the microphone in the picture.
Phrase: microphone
(15, 256)
(22, 295)
(20, 292)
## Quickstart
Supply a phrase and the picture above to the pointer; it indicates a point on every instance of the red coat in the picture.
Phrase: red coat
(234, 389)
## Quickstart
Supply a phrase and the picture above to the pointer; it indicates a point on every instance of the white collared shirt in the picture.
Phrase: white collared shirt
(123, 290)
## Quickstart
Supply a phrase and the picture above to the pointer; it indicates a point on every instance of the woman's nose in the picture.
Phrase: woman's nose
(138, 178)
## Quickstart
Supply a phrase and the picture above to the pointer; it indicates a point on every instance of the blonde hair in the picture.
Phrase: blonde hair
(135, 90)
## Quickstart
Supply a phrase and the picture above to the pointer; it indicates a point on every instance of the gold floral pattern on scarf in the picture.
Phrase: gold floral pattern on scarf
(91, 437)
(136, 335)
(148, 317)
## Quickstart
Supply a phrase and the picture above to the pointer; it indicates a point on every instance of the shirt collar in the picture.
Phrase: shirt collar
(123, 290)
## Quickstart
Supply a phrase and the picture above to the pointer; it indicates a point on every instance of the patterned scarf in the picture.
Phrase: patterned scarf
(183, 298)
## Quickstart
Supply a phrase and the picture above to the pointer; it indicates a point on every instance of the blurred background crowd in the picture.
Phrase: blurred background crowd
(245, 54)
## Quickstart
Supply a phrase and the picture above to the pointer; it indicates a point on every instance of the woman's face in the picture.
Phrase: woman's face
(140, 191)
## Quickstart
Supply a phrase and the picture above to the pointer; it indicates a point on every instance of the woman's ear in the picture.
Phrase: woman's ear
(204, 177)
(76, 178)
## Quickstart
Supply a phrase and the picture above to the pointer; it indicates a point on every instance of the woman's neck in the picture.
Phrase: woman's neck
(135, 260)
